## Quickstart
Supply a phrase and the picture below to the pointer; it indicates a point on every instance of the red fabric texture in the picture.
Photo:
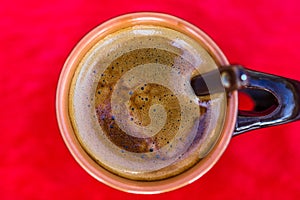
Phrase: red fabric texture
(36, 38)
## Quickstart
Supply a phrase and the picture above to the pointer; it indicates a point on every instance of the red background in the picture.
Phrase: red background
(36, 38)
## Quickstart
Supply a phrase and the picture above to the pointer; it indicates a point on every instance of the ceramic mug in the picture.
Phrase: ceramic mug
(276, 100)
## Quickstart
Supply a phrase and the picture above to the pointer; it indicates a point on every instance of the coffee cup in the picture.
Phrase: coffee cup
(147, 102)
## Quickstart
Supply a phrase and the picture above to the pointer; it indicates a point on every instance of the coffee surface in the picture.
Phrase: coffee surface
(132, 106)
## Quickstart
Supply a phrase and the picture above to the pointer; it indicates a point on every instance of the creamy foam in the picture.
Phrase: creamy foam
(132, 106)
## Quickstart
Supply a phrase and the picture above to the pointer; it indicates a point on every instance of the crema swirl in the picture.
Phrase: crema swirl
(132, 106)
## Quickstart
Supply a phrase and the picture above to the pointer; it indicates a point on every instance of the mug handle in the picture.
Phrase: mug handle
(276, 101)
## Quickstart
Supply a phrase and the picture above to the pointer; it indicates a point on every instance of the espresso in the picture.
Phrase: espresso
(132, 106)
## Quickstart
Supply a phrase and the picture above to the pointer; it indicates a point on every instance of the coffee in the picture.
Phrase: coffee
(132, 106)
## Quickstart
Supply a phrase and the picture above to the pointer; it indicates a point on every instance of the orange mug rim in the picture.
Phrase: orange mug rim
(67, 132)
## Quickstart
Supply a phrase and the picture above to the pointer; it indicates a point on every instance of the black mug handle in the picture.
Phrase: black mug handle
(276, 101)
